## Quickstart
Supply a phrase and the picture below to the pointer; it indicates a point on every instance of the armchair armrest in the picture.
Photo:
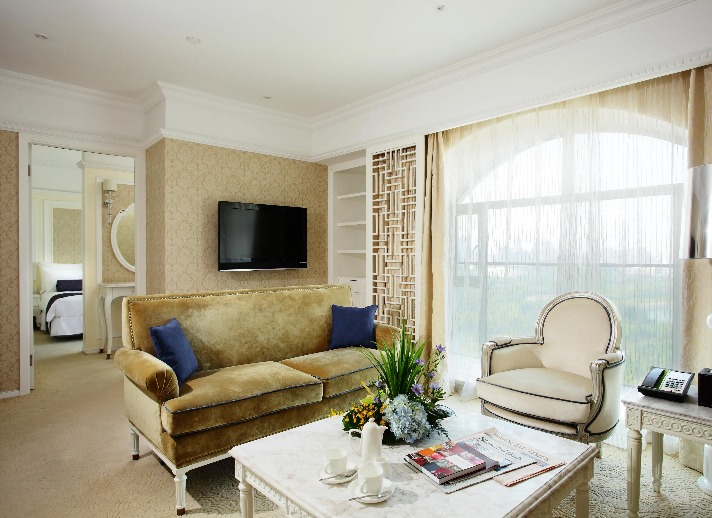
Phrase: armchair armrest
(504, 354)
(148, 373)
(607, 381)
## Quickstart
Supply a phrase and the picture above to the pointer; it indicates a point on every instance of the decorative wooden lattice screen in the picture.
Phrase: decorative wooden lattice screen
(393, 184)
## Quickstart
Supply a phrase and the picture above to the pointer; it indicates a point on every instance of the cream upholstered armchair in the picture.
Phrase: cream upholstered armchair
(565, 380)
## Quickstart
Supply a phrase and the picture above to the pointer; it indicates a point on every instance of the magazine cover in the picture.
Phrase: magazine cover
(449, 460)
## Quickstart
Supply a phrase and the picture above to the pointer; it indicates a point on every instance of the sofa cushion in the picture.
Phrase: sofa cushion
(234, 394)
(173, 348)
(352, 327)
(547, 393)
(340, 370)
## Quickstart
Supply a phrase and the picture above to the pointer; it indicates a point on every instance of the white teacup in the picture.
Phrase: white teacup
(385, 465)
(335, 461)
(370, 478)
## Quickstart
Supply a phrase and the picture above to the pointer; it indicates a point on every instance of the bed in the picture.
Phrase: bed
(61, 300)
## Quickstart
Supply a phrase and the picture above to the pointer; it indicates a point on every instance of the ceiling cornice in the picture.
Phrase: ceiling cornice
(224, 143)
(601, 21)
(92, 138)
(95, 162)
(651, 71)
(67, 91)
(223, 104)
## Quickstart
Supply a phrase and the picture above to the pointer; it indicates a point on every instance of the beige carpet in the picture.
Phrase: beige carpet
(65, 451)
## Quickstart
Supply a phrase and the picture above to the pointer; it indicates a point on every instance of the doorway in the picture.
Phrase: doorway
(75, 198)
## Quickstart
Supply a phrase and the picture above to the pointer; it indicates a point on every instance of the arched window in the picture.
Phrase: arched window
(574, 197)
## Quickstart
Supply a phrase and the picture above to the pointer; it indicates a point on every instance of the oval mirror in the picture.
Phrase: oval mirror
(122, 238)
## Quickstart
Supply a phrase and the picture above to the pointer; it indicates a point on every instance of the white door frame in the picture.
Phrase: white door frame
(137, 152)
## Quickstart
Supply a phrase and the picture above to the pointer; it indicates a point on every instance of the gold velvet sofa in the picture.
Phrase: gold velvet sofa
(264, 367)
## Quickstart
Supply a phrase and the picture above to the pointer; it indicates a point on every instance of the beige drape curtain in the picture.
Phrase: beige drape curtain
(700, 117)
(696, 350)
(432, 290)
(696, 339)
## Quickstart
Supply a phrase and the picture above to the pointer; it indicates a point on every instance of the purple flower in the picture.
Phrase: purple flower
(379, 383)
(420, 361)
(435, 386)
(417, 389)
(376, 400)
(440, 349)
(431, 374)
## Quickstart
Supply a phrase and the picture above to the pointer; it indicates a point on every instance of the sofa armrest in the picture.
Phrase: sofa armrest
(505, 354)
(148, 373)
(386, 333)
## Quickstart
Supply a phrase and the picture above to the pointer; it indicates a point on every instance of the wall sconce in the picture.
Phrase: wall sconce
(109, 187)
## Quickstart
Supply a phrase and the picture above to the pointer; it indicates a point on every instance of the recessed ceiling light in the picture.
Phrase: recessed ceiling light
(193, 40)
(268, 97)
(41, 36)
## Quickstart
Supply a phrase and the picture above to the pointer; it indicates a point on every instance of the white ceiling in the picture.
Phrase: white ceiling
(309, 56)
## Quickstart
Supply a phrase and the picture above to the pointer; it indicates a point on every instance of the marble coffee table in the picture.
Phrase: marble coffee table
(285, 468)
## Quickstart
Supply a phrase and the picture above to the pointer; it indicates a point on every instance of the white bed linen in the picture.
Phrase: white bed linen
(65, 315)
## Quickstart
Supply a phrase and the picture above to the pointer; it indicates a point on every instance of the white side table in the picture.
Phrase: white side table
(660, 416)
(108, 291)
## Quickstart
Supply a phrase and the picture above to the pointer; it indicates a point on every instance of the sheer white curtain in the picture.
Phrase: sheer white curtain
(583, 195)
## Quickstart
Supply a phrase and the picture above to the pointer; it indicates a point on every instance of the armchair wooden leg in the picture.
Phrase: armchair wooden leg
(134, 444)
(599, 447)
(180, 479)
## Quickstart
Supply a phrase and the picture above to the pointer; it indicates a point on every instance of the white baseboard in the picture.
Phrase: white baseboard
(9, 394)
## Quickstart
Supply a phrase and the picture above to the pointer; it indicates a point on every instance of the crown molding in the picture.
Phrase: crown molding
(604, 20)
(150, 97)
(89, 138)
(67, 91)
(651, 71)
(178, 93)
(95, 162)
(224, 143)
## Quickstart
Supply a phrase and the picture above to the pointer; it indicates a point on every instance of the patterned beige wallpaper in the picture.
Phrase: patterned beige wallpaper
(10, 260)
(185, 181)
(112, 270)
(155, 221)
(67, 236)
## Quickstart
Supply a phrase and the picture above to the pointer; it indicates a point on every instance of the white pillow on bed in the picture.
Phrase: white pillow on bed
(50, 273)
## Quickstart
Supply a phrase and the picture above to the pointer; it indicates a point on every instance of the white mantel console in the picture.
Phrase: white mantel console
(108, 291)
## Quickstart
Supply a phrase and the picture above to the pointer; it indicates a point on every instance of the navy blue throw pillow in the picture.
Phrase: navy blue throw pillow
(173, 348)
(69, 285)
(352, 327)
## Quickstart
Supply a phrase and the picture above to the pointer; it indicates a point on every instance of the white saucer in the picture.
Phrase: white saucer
(339, 479)
(387, 490)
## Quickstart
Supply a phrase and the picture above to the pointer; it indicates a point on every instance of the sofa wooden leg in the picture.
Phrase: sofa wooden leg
(180, 479)
(134, 444)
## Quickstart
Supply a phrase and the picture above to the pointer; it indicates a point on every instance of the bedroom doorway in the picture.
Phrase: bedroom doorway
(72, 250)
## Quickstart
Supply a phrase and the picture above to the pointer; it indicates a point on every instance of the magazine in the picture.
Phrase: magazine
(517, 461)
(450, 460)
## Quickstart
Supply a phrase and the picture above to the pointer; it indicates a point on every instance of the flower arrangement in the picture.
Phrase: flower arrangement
(406, 397)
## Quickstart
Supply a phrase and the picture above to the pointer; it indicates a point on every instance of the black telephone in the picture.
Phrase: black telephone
(666, 384)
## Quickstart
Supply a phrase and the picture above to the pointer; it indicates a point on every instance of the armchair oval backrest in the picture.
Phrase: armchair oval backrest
(577, 328)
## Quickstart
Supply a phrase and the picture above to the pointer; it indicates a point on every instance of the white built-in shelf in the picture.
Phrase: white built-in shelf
(352, 195)
(351, 252)
(352, 224)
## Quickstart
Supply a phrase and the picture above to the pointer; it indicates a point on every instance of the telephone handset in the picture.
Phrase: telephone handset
(666, 384)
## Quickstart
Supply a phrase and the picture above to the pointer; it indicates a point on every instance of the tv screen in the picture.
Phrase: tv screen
(253, 236)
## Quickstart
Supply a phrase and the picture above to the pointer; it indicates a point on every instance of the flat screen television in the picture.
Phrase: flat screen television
(254, 236)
